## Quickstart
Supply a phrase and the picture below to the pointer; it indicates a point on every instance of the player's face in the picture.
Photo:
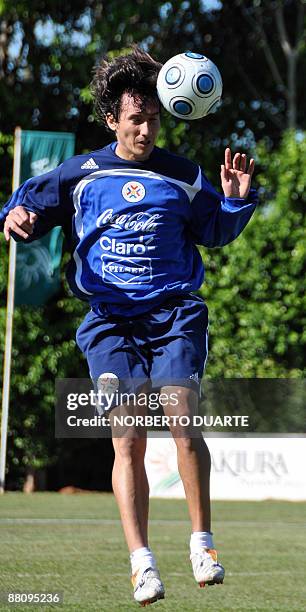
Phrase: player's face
(136, 129)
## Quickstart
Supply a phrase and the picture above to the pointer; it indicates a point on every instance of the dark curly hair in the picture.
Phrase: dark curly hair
(134, 73)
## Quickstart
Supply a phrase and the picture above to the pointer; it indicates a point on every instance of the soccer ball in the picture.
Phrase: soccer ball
(189, 85)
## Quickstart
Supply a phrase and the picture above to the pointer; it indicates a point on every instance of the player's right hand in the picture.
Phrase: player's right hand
(20, 221)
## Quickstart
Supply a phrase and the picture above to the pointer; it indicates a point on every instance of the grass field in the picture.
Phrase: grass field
(74, 544)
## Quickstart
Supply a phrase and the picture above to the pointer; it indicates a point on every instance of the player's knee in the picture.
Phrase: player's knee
(130, 450)
(185, 400)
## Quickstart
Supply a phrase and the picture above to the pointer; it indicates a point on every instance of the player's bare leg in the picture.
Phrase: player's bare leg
(194, 465)
(193, 458)
(130, 486)
(131, 489)
(129, 478)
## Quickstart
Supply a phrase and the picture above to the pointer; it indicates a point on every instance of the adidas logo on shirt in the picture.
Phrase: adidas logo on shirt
(90, 165)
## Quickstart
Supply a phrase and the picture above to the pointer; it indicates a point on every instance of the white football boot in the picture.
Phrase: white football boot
(206, 568)
(148, 586)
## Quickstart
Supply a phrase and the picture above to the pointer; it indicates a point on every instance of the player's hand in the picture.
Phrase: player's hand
(235, 177)
(20, 221)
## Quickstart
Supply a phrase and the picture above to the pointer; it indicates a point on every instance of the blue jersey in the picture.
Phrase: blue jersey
(132, 227)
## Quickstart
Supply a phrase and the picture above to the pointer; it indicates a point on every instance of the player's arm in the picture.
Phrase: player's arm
(34, 208)
(217, 219)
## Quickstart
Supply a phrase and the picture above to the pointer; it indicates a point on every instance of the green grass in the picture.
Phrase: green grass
(261, 544)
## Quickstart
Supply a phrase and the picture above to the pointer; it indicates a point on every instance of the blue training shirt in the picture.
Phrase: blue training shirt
(132, 227)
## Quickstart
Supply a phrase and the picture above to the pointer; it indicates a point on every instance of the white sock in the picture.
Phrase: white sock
(142, 558)
(201, 539)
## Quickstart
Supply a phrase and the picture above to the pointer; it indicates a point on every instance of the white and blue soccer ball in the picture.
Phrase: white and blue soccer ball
(189, 85)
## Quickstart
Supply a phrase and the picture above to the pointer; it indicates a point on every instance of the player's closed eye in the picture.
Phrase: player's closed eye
(140, 120)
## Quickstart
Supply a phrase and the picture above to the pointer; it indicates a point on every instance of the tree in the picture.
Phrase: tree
(290, 39)
(255, 286)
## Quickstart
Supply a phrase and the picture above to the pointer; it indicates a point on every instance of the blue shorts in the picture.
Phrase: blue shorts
(167, 345)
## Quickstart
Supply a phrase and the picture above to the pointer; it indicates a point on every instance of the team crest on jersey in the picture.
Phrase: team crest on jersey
(133, 191)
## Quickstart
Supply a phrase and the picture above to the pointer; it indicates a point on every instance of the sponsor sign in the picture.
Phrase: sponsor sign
(247, 468)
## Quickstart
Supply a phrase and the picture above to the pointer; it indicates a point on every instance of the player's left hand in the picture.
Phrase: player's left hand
(235, 178)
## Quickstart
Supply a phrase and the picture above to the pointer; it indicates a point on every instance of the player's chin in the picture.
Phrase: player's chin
(143, 150)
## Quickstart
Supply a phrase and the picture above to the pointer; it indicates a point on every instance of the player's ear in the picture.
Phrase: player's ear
(112, 124)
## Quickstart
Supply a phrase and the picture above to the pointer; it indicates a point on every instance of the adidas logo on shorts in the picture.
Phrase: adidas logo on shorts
(90, 165)
(195, 377)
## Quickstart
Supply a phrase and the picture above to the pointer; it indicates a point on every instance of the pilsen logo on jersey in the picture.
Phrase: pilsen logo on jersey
(126, 270)
(133, 191)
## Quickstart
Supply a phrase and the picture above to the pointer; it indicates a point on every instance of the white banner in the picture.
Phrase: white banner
(247, 468)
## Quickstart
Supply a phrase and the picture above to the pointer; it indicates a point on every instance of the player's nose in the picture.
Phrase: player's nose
(145, 128)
